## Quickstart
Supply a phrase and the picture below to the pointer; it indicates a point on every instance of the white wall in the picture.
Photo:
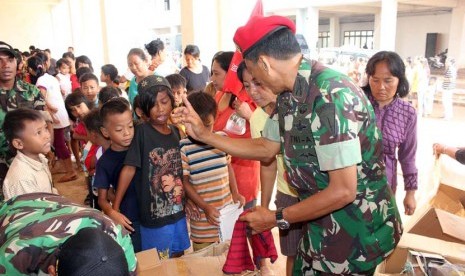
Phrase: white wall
(26, 23)
(411, 33)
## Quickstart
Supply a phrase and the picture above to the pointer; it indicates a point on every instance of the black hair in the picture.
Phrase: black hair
(138, 52)
(107, 93)
(148, 98)
(240, 71)
(135, 105)
(223, 59)
(281, 44)
(203, 104)
(83, 59)
(47, 50)
(42, 56)
(154, 47)
(68, 54)
(62, 61)
(82, 71)
(176, 80)
(87, 77)
(92, 121)
(37, 64)
(110, 70)
(192, 50)
(395, 65)
(114, 106)
(14, 123)
(76, 98)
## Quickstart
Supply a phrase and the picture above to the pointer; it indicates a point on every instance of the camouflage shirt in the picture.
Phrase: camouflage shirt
(22, 94)
(327, 123)
(33, 226)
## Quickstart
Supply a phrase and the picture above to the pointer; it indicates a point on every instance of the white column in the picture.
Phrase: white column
(377, 31)
(307, 24)
(388, 25)
(334, 32)
(457, 35)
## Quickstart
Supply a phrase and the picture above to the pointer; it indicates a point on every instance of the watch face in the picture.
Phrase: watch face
(283, 225)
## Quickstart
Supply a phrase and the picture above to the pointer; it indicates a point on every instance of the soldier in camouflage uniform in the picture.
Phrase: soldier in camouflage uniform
(34, 226)
(14, 93)
(326, 130)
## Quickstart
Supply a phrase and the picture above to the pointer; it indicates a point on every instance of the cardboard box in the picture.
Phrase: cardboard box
(434, 228)
(208, 261)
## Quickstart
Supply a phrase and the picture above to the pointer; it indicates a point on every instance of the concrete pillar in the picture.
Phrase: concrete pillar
(334, 32)
(377, 31)
(388, 25)
(457, 35)
(307, 24)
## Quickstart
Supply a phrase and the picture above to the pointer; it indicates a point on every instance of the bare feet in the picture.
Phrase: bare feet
(67, 178)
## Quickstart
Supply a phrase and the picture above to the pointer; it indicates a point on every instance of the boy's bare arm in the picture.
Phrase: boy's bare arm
(233, 187)
(125, 177)
(211, 212)
(108, 210)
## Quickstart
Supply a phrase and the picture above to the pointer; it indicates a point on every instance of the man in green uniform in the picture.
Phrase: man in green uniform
(42, 232)
(14, 93)
(326, 130)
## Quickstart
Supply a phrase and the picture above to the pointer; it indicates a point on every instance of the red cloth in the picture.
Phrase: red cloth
(239, 259)
(74, 82)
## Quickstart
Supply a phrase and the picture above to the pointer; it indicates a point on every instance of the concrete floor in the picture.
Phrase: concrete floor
(430, 130)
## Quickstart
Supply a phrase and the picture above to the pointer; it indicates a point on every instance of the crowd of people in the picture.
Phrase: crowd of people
(162, 153)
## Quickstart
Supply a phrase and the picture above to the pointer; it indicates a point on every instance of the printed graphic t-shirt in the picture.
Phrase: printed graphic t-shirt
(159, 189)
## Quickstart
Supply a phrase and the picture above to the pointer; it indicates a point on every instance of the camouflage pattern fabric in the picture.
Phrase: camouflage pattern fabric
(24, 95)
(33, 226)
(325, 111)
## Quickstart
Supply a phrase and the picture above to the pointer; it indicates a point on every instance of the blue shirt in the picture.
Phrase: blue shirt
(107, 174)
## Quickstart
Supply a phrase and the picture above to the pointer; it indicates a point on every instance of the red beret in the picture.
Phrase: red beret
(257, 28)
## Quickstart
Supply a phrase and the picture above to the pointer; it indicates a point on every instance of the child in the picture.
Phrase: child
(78, 107)
(208, 177)
(90, 87)
(178, 86)
(96, 145)
(118, 127)
(152, 157)
(109, 75)
(64, 76)
(50, 89)
(26, 131)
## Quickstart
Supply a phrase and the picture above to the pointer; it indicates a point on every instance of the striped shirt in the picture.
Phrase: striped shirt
(207, 169)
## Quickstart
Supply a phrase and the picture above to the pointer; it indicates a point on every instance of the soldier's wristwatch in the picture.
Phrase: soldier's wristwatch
(282, 223)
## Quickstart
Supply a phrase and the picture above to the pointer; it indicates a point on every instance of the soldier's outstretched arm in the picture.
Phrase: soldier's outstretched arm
(258, 149)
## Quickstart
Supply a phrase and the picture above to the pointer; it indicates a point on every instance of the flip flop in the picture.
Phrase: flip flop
(67, 178)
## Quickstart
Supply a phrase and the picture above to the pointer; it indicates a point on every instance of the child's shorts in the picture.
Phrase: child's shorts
(168, 240)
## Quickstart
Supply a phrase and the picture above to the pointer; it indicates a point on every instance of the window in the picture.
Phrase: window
(167, 5)
(323, 39)
(361, 39)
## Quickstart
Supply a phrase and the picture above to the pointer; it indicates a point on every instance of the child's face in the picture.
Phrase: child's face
(119, 128)
(178, 92)
(90, 89)
(64, 69)
(80, 110)
(209, 122)
(160, 112)
(35, 139)
(167, 182)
